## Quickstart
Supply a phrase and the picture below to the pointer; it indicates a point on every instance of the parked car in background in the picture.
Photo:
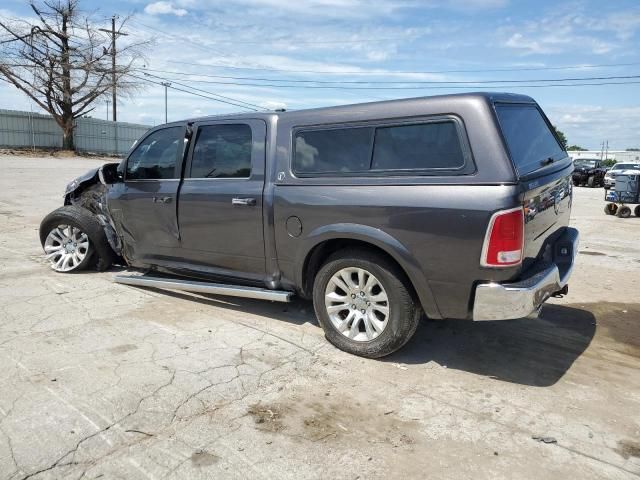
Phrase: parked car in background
(610, 176)
(589, 172)
(456, 206)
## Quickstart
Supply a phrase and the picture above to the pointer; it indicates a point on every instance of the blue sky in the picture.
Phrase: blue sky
(298, 42)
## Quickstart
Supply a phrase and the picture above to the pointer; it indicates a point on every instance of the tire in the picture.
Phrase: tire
(591, 182)
(576, 183)
(636, 211)
(97, 252)
(392, 330)
(623, 212)
(610, 208)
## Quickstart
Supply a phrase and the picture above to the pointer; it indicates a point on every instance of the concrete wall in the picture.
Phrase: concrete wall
(24, 129)
(617, 155)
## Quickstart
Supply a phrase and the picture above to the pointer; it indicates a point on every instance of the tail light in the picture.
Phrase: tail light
(504, 241)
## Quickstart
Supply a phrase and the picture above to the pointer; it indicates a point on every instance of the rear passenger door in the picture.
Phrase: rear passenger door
(220, 203)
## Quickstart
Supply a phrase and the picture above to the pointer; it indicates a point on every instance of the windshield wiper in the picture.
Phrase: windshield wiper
(547, 161)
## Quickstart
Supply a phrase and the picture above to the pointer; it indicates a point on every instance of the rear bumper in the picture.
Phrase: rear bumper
(508, 301)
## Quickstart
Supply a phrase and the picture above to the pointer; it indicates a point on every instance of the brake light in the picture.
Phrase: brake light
(504, 241)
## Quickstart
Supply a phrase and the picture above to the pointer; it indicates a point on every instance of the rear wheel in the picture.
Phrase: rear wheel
(73, 240)
(365, 303)
(624, 212)
(636, 211)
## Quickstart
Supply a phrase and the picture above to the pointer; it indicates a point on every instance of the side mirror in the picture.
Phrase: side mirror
(109, 174)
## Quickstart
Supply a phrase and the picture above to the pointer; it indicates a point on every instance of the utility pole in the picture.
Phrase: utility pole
(606, 152)
(114, 35)
(107, 102)
(165, 85)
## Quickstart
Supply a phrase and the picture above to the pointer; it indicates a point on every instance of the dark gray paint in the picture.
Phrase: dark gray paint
(432, 225)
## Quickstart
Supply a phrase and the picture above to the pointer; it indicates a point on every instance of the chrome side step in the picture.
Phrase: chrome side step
(204, 287)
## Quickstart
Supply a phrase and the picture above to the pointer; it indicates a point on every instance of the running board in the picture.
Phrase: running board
(205, 287)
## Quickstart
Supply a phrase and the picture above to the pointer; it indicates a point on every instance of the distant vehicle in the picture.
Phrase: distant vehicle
(610, 176)
(455, 205)
(589, 172)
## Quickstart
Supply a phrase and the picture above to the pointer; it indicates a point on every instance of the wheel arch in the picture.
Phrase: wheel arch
(324, 241)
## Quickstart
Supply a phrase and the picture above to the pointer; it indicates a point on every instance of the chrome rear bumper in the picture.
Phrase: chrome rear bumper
(508, 301)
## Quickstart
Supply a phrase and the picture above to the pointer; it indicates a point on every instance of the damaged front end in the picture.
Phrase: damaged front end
(89, 191)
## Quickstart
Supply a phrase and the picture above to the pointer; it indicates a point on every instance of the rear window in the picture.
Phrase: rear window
(626, 166)
(528, 136)
(402, 148)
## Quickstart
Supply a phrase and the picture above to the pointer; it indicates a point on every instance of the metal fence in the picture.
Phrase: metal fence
(26, 129)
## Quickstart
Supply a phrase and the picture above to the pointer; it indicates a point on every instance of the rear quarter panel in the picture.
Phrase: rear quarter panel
(442, 228)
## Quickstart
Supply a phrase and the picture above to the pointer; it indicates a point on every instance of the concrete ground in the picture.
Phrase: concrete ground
(104, 380)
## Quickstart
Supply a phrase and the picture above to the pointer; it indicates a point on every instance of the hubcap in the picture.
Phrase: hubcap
(66, 247)
(357, 304)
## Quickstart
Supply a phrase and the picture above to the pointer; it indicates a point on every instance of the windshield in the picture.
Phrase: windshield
(626, 166)
(529, 138)
(585, 163)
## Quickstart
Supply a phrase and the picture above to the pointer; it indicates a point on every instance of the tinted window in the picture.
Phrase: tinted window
(336, 150)
(626, 166)
(529, 139)
(424, 146)
(222, 151)
(155, 157)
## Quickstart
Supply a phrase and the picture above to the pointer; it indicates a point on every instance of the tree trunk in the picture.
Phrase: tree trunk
(67, 135)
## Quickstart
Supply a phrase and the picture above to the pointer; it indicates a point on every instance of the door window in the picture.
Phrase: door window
(222, 151)
(155, 157)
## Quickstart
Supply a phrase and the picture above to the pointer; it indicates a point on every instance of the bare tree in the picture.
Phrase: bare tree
(63, 62)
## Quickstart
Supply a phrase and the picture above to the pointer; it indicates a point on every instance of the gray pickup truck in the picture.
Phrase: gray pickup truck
(454, 206)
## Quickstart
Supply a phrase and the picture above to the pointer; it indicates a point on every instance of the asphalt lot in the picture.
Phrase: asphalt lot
(104, 380)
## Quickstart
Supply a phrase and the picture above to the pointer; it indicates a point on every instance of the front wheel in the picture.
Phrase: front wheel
(610, 208)
(364, 303)
(73, 239)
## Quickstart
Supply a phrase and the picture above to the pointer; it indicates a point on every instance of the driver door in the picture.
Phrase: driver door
(144, 205)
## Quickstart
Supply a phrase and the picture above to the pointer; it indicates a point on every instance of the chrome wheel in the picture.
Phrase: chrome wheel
(66, 247)
(357, 304)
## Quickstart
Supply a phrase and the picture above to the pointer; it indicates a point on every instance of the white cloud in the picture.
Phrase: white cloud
(572, 30)
(164, 8)
(588, 125)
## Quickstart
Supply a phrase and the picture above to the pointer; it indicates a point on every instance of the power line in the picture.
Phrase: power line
(399, 72)
(192, 93)
(205, 91)
(416, 82)
(479, 85)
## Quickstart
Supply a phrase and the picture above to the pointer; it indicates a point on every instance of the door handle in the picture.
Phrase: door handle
(247, 202)
(161, 199)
